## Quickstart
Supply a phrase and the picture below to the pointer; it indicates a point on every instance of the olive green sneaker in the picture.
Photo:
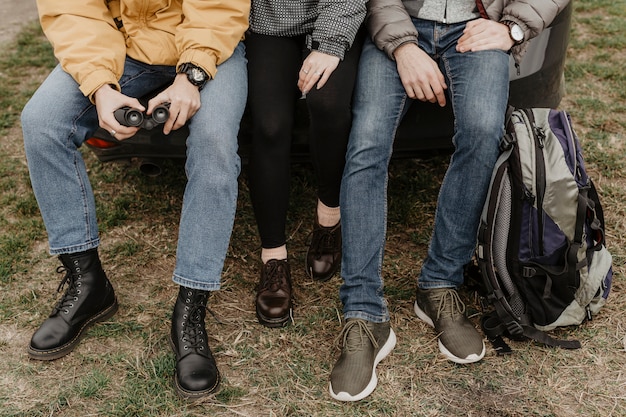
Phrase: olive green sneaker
(442, 309)
(365, 344)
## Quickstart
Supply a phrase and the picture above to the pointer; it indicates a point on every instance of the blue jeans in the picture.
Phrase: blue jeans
(59, 118)
(478, 85)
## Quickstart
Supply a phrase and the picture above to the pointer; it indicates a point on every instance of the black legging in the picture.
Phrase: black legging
(273, 66)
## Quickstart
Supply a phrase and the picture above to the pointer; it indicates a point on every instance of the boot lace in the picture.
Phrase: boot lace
(323, 240)
(71, 293)
(193, 331)
(274, 274)
(450, 305)
(353, 339)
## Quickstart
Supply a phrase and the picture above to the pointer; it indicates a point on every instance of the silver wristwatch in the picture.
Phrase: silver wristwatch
(515, 32)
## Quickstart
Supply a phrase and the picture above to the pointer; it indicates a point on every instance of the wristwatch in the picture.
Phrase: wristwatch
(196, 75)
(515, 32)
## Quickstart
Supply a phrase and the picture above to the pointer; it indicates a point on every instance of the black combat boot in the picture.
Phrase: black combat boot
(196, 372)
(88, 298)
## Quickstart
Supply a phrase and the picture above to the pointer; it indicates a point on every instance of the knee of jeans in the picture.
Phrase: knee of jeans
(31, 116)
(482, 133)
(34, 123)
(212, 180)
(215, 168)
(368, 142)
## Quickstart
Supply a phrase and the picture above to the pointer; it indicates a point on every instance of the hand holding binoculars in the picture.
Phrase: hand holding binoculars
(128, 116)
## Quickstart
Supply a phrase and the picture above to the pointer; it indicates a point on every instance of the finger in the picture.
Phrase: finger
(156, 101)
(308, 85)
(301, 81)
(440, 97)
(309, 82)
(168, 126)
(438, 88)
(183, 116)
(115, 128)
(410, 89)
(323, 80)
(122, 132)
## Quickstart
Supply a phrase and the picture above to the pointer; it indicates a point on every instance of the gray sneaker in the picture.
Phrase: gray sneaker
(442, 309)
(365, 344)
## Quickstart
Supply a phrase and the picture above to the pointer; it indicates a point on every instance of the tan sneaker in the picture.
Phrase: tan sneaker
(365, 344)
(442, 309)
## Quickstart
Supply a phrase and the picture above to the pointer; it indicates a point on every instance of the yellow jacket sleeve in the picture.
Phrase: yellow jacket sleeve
(86, 41)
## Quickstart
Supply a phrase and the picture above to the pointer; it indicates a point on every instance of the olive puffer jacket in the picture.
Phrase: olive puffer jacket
(91, 38)
(390, 24)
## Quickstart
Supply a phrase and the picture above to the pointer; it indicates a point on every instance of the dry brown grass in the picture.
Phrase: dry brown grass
(124, 367)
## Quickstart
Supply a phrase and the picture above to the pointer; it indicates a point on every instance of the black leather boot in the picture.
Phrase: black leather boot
(88, 298)
(196, 372)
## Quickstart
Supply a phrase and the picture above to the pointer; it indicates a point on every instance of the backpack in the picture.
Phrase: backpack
(541, 250)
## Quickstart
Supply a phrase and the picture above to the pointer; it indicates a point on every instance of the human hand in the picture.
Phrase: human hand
(108, 100)
(420, 75)
(316, 69)
(484, 34)
(184, 99)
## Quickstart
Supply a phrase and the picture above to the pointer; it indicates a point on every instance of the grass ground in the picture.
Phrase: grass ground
(124, 367)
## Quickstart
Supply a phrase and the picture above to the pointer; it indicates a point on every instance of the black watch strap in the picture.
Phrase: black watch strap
(196, 75)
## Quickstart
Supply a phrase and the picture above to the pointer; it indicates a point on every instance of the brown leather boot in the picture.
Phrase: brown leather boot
(273, 299)
(324, 255)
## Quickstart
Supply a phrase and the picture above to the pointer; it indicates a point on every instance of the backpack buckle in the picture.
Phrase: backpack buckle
(507, 141)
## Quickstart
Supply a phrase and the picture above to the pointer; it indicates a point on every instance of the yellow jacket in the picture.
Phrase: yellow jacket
(91, 38)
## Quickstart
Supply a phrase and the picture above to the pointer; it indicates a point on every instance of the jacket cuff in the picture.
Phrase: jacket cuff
(390, 48)
(97, 79)
(326, 47)
(205, 61)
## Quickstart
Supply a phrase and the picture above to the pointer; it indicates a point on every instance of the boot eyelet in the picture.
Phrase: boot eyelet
(186, 347)
(75, 298)
(66, 311)
(187, 300)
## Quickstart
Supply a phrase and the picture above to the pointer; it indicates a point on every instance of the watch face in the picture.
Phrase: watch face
(517, 33)
(197, 75)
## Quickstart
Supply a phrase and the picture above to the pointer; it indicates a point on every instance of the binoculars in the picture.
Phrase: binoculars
(128, 116)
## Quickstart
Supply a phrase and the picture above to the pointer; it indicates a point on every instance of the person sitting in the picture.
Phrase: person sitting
(109, 54)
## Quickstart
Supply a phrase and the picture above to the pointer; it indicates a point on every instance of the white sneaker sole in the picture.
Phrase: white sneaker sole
(382, 354)
(469, 359)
